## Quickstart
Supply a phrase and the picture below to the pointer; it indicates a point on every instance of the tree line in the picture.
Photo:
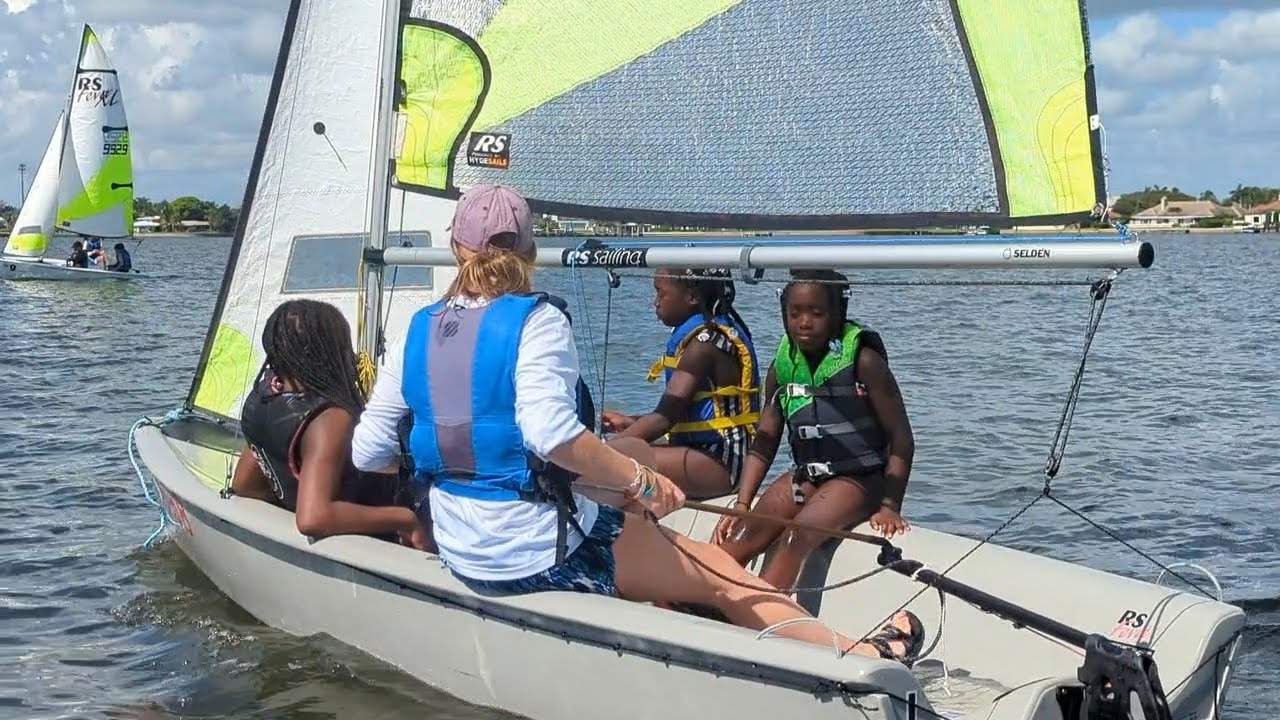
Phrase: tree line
(222, 218)
(1245, 196)
(170, 213)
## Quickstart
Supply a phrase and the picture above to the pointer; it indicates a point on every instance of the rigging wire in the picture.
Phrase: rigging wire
(877, 283)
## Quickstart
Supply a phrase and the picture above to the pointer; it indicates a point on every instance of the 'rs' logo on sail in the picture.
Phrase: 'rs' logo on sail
(492, 150)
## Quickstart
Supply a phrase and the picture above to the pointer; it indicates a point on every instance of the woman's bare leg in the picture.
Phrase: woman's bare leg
(651, 569)
(836, 504)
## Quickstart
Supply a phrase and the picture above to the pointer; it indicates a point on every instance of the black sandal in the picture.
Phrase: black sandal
(891, 633)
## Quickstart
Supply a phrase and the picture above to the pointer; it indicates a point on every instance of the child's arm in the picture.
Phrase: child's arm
(697, 363)
(764, 448)
(886, 400)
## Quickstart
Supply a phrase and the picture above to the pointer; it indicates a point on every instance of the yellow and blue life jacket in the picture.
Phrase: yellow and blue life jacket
(714, 410)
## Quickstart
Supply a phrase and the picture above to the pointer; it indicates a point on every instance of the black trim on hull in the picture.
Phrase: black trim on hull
(823, 689)
(251, 188)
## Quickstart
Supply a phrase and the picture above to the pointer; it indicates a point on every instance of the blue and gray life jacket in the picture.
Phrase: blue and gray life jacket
(461, 433)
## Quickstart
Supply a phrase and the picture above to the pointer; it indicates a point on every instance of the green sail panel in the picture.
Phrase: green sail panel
(754, 113)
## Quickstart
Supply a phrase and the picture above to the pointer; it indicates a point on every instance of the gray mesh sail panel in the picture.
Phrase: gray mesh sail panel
(771, 108)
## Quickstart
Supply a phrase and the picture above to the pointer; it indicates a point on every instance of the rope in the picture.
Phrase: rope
(951, 567)
(1129, 545)
(577, 287)
(877, 283)
(151, 498)
(366, 372)
(614, 281)
(1098, 294)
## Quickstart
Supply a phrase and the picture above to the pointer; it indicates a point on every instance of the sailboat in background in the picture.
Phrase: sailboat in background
(84, 184)
(730, 113)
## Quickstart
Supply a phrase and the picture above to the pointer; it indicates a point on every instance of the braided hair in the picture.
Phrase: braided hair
(715, 292)
(309, 342)
(836, 288)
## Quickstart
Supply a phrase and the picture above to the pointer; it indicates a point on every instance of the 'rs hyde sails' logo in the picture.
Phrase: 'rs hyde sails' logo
(491, 150)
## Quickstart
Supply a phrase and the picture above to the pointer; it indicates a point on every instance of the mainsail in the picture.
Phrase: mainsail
(303, 218)
(757, 113)
(95, 189)
(34, 226)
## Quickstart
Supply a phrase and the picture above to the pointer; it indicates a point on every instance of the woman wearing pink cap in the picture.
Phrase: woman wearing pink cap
(487, 377)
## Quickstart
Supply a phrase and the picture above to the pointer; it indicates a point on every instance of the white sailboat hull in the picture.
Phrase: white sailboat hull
(557, 655)
(13, 267)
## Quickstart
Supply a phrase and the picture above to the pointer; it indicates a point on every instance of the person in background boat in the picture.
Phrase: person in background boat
(124, 262)
(851, 441)
(79, 258)
(97, 256)
(488, 377)
(297, 423)
(711, 402)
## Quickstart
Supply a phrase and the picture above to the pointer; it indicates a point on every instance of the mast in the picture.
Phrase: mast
(369, 342)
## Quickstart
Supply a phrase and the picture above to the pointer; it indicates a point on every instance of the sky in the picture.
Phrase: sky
(1189, 96)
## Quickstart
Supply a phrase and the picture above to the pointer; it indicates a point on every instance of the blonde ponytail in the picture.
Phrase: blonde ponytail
(491, 272)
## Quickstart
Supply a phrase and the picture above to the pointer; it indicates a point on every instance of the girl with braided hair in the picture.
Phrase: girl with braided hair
(711, 403)
(297, 423)
(851, 442)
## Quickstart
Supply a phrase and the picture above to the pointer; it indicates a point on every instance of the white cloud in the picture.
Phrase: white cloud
(1101, 8)
(1193, 107)
(1188, 97)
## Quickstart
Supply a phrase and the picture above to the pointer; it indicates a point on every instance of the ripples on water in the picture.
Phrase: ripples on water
(1175, 446)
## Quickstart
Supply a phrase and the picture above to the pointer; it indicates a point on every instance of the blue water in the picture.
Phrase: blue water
(1175, 446)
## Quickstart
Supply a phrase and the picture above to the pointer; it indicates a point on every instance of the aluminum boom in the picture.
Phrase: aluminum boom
(1019, 254)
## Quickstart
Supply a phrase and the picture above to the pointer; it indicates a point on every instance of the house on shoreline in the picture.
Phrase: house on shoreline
(1182, 214)
(1265, 217)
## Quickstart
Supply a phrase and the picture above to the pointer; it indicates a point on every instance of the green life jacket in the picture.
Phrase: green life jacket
(831, 426)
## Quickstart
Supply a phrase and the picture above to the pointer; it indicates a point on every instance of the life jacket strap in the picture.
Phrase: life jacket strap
(553, 485)
(718, 423)
(816, 472)
(815, 432)
(663, 363)
(747, 393)
(800, 390)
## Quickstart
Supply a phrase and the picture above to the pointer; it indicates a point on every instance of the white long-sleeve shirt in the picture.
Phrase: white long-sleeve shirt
(493, 539)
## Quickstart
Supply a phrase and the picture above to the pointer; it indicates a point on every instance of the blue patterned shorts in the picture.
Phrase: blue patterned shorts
(589, 568)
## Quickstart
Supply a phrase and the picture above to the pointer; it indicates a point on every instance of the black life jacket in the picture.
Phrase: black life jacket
(553, 484)
(832, 427)
(273, 424)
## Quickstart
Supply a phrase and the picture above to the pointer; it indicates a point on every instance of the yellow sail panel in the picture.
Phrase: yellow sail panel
(443, 77)
(229, 370)
(1031, 60)
(541, 49)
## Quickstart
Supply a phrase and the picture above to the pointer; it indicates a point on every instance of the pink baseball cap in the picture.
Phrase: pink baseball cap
(487, 211)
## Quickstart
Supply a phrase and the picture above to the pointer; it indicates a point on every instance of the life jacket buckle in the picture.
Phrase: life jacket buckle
(818, 470)
(809, 432)
(797, 390)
